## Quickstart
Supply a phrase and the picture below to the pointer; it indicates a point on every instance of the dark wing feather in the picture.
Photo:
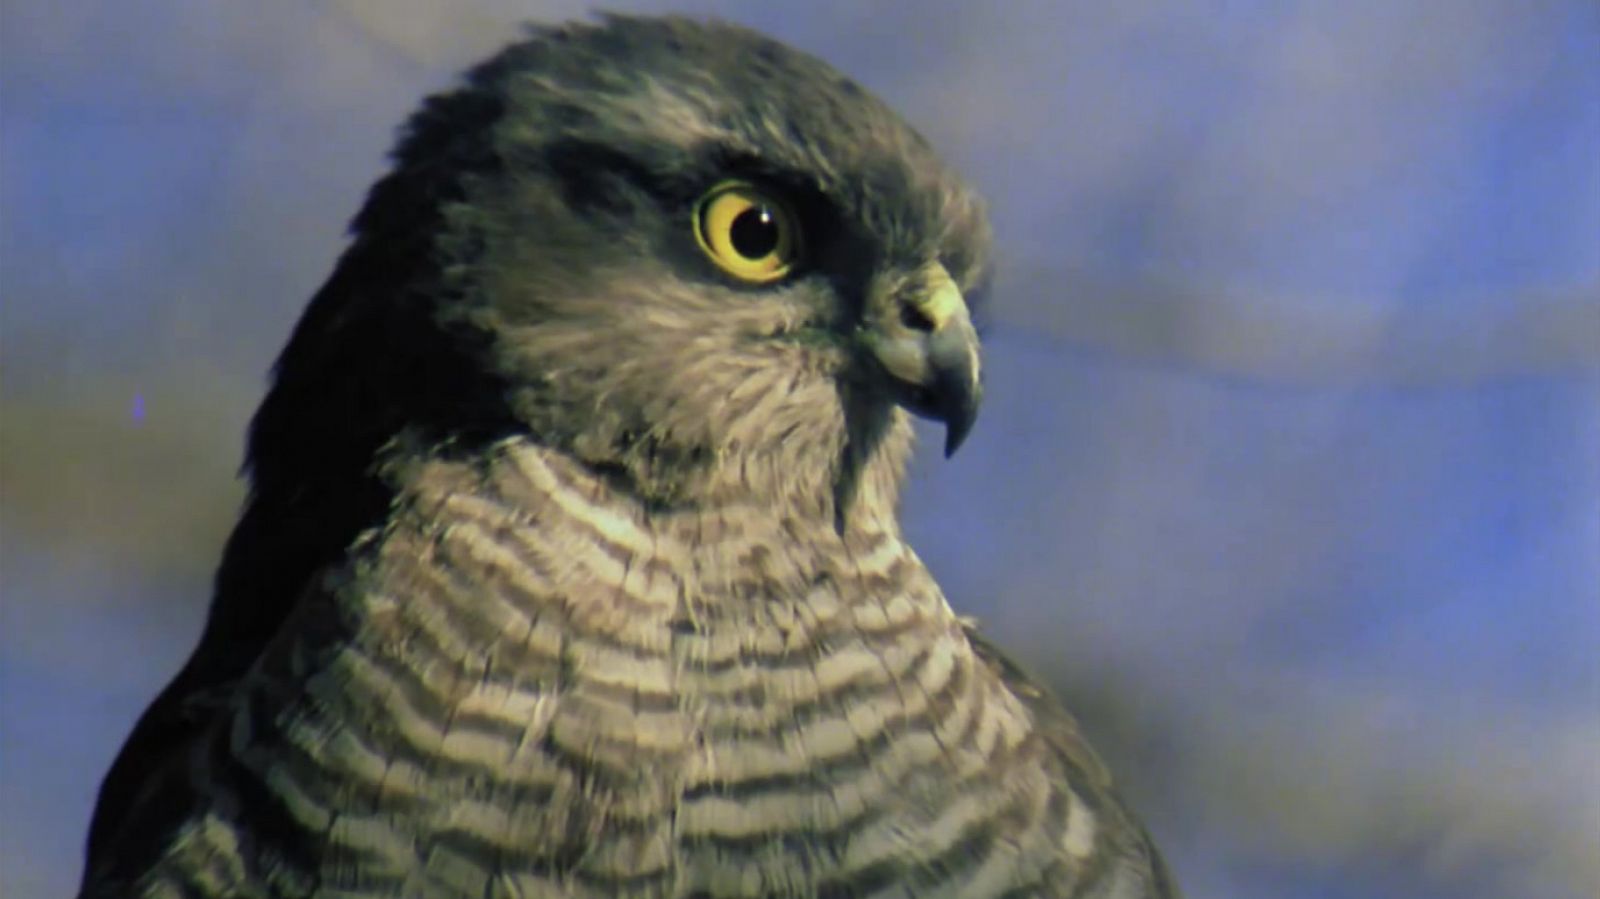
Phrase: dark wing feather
(366, 361)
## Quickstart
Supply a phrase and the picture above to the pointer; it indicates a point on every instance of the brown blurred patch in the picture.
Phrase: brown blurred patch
(152, 498)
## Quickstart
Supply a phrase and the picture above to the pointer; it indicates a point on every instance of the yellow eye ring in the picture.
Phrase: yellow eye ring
(747, 232)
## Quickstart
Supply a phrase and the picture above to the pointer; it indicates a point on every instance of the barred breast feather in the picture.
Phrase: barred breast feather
(528, 685)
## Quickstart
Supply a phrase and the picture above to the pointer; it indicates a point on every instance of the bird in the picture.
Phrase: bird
(571, 562)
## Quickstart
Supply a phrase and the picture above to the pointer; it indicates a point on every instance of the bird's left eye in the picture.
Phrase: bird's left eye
(747, 232)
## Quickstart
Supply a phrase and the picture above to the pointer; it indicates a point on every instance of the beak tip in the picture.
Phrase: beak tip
(957, 427)
(952, 442)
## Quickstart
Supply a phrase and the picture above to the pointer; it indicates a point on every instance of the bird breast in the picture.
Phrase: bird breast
(538, 682)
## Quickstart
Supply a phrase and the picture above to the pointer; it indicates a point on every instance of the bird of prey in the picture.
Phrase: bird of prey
(571, 564)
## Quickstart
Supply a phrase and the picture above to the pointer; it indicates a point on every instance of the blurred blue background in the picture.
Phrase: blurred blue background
(1290, 469)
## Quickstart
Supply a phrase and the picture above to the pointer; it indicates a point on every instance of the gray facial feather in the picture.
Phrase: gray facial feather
(617, 339)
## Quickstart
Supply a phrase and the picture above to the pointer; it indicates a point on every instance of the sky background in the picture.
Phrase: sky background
(1289, 471)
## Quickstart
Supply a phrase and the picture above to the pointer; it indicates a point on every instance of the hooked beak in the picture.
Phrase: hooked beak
(929, 347)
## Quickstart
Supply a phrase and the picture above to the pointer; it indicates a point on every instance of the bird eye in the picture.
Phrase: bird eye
(748, 233)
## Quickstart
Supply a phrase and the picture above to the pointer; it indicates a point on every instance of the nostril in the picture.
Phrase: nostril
(915, 318)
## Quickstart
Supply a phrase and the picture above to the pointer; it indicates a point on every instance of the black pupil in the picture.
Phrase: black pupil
(754, 233)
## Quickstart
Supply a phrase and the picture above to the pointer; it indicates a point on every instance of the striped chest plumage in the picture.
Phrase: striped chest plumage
(522, 690)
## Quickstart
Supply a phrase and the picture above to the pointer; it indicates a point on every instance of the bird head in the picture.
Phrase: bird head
(688, 255)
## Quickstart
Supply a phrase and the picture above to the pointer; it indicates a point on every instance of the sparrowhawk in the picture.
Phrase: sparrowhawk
(571, 564)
